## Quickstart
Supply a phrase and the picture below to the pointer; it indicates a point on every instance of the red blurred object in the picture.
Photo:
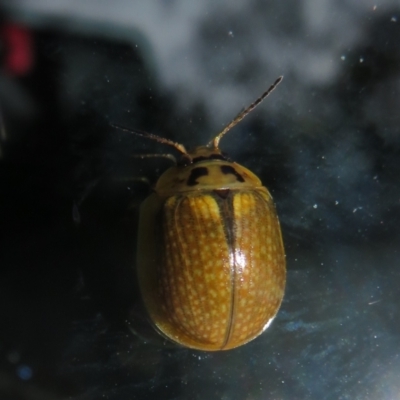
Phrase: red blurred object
(18, 51)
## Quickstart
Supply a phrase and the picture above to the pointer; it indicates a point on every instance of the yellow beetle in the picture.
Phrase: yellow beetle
(211, 262)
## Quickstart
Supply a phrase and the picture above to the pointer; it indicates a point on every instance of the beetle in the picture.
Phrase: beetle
(210, 256)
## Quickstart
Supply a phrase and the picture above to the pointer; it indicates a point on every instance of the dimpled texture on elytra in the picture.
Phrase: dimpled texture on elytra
(222, 274)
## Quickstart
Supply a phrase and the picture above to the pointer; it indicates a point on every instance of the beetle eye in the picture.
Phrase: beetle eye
(225, 157)
(184, 161)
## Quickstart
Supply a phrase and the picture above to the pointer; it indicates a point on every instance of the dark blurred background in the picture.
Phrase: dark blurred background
(326, 144)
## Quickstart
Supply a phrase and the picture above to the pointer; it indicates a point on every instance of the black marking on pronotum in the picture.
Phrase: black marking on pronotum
(195, 174)
(227, 169)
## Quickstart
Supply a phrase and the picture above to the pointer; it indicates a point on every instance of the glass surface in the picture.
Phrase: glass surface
(326, 143)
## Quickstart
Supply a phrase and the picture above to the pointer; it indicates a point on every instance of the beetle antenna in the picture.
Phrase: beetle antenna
(215, 142)
(159, 139)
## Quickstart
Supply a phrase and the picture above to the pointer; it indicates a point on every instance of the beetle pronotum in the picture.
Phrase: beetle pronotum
(211, 262)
